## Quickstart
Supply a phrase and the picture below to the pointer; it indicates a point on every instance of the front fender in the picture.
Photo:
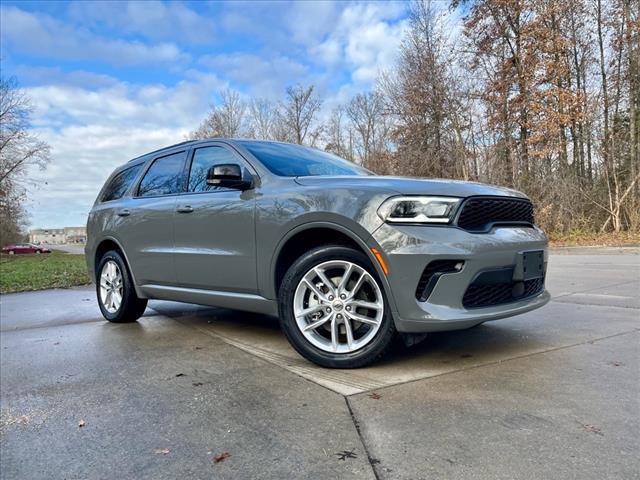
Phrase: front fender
(354, 231)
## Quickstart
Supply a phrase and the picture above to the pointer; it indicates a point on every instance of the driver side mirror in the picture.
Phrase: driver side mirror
(228, 175)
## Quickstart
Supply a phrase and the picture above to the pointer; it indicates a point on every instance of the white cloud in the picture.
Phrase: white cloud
(152, 19)
(262, 76)
(93, 131)
(44, 36)
(57, 76)
(365, 39)
(310, 22)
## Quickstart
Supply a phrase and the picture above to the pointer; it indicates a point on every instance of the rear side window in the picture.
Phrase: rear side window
(119, 184)
(163, 177)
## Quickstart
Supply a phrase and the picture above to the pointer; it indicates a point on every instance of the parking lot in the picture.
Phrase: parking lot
(198, 392)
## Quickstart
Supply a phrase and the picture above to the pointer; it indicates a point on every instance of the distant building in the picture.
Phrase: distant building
(75, 234)
(58, 236)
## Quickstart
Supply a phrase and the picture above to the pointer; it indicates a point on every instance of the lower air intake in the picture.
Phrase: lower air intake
(432, 273)
(481, 294)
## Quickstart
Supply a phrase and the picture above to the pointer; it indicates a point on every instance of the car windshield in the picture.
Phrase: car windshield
(288, 160)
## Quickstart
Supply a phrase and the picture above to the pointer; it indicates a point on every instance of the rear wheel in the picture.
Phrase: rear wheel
(333, 308)
(114, 288)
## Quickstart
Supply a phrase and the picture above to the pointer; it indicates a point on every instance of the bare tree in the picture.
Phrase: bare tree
(226, 119)
(420, 96)
(265, 121)
(367, 115)
(299, 111)
(339, 134)
(20, 150)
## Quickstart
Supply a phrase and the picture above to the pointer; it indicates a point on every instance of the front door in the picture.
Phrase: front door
(214, 227)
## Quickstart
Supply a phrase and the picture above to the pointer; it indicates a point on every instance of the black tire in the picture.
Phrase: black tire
(131, 308)
(359, 358)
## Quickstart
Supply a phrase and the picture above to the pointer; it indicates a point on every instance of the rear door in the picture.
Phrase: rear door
(214, 227)
(146, 220)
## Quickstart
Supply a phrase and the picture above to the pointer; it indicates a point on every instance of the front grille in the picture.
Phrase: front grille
(481, 294)
(480, 213)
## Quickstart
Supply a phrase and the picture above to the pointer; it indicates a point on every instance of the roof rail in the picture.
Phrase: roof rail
(162, 149)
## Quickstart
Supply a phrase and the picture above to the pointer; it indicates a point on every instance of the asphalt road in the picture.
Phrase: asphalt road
(550, 394)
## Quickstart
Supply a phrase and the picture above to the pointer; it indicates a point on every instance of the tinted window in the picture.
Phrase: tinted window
(119, 184)
(203, 160)
(163, 177)
(289, 160)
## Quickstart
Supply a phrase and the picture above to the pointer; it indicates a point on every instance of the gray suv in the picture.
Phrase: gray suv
(345, 258)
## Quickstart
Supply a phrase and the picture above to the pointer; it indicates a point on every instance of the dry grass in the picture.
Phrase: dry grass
(609, 239)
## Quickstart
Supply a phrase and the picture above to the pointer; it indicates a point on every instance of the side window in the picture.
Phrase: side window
(203, 159)
(163, 177)
(119, 184)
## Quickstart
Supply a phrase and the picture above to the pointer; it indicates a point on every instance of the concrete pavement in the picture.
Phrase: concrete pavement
(550, 394)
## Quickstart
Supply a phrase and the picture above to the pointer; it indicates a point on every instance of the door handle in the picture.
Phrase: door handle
(125, 212)
(185, 209)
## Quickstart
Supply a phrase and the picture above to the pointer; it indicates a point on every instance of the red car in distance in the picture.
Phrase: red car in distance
(15, 248)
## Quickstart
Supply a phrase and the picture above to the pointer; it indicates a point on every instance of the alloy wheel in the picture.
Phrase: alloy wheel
(111, 286)
(338, 306)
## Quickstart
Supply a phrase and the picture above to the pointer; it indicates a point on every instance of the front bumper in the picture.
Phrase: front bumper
(409, 249)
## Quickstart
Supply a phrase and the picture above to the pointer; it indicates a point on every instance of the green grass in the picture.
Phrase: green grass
(20, 273)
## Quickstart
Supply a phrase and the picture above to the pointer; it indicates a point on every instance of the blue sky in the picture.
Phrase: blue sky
(112, 80)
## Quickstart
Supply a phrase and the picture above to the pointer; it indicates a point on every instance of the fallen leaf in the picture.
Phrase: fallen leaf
(21, 420)
(593, 429)
(197, 384)
(343, 455)
(181, 374)
(81, 423)
(197, 348)
(375, 396)
(221, 457)
(161, 451)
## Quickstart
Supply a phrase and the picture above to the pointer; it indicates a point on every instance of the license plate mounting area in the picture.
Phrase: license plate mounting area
(532, 264)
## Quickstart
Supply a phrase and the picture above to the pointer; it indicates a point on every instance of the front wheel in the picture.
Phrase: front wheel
(116, 296)
(333, 309)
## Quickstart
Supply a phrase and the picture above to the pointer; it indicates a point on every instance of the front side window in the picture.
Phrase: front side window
(203, 160)
(163, 177)
(287, 160)
(119, 184)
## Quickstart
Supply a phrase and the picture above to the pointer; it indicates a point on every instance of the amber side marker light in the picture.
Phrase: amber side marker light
(380, 259)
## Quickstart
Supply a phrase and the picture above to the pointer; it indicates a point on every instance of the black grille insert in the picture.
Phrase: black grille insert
(484, 294)
(432, 273)
(480, 213)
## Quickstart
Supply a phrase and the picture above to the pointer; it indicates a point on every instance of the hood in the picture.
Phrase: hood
(410, 186)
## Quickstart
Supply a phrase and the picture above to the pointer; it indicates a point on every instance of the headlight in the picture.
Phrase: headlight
(418, 209)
